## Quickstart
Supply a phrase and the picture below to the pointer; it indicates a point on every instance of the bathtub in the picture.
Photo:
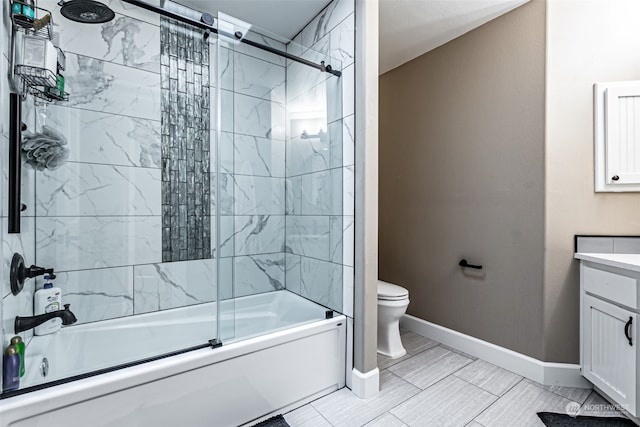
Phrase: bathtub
(277, 354)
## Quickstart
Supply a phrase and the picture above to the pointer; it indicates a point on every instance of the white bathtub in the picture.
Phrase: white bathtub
(290, 358)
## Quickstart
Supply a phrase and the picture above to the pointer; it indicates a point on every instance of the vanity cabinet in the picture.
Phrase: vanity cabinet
(608, 331)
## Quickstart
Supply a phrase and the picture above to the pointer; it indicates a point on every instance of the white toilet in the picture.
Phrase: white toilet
(393, 301)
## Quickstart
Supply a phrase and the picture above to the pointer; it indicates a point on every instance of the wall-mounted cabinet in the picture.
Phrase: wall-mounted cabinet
(617, 136)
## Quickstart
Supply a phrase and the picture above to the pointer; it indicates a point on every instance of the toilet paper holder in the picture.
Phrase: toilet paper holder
(465, 264)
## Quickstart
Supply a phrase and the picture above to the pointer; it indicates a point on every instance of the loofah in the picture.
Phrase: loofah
(45, 150)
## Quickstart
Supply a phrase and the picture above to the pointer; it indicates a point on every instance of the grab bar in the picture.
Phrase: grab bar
(15, 162)
(465, 264)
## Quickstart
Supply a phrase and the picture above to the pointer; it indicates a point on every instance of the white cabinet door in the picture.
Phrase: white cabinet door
(609, 350)
(623, 137)
(617, 136)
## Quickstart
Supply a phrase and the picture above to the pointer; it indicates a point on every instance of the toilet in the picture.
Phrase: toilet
(393, 301)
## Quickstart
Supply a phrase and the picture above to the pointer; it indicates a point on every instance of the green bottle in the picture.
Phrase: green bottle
(19, 345)
(16, 8)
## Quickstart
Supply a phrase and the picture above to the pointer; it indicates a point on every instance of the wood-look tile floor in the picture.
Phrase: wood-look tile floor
(433, 385)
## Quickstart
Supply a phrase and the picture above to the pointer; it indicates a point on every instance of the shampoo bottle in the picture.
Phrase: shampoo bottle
(19, 345)
(10, 369)
(46, 300)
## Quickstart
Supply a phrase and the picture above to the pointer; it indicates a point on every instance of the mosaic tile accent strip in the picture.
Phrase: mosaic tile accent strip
(185, 147)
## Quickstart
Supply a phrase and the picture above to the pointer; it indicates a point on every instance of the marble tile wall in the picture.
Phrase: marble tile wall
(100, 214)
(168, 285)
(252, 159)
(319, 190)
(23, 243)
(282, 211)
(99, 217)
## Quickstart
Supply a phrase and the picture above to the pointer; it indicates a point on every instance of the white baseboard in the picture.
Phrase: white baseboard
(547, 373)
(365, 385)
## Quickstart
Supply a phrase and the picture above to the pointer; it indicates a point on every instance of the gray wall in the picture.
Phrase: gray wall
(462, 176)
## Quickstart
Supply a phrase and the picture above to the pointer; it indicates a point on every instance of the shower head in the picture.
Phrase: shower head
(86, 11)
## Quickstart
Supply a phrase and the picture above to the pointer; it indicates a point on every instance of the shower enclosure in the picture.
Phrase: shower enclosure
(207, 193)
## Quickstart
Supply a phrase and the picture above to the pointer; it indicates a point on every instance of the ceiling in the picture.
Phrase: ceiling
(408, 28)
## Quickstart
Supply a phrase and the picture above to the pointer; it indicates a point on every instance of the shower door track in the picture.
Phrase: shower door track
(212, 344)
(326, 68)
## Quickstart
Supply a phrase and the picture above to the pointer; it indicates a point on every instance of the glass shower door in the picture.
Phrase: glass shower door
(280, 184)
(126, 221)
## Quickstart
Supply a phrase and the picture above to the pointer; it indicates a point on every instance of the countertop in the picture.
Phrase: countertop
(626, 261)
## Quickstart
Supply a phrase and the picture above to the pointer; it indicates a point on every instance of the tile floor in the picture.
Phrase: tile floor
(433, 385)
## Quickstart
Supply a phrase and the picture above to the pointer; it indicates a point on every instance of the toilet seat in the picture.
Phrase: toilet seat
(391, 292)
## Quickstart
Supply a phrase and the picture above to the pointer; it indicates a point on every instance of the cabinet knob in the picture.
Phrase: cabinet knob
(615, 178)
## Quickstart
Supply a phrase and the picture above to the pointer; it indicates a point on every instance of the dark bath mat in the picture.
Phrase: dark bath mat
(277, 421)
(551, 419)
